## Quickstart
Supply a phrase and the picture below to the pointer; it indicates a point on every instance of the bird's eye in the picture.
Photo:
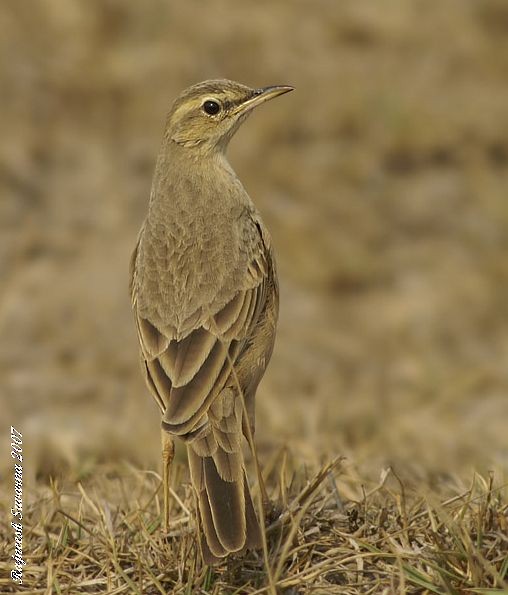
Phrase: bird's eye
(211, 107)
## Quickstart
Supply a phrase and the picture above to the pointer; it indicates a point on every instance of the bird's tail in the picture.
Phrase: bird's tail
(227, 517)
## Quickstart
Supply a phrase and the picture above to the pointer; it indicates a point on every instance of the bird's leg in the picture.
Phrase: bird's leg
(262, 488)
(168, 453)
(248, 427)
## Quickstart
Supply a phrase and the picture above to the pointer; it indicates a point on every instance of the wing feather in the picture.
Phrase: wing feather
(191, 354)
(227, 316)
(185, 400)
(186, 368)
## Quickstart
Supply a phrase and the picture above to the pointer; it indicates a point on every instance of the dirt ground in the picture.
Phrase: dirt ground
(383, 180)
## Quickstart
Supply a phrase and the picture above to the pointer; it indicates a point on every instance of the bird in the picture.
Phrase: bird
(205, 299)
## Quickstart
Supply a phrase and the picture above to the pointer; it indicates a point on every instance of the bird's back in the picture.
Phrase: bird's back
(194, 249)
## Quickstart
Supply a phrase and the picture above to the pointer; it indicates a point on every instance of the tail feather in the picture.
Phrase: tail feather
(227, 505)
(227, 518)
(211, 547)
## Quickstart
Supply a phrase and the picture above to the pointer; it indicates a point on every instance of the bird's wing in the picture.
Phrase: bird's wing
(185, 376)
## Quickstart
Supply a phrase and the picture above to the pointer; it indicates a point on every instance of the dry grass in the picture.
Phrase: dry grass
(383, 180)
(326, 533)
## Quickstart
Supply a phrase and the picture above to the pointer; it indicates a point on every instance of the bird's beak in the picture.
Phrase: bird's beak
(262, 95)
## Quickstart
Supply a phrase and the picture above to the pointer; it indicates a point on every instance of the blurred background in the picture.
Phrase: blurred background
(383, 179)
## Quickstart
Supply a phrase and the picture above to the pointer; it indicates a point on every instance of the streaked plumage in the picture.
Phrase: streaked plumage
(205, 299)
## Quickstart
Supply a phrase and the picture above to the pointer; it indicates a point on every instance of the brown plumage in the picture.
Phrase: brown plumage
(205, 299)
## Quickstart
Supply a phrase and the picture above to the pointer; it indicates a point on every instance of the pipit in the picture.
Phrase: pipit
(205, 299)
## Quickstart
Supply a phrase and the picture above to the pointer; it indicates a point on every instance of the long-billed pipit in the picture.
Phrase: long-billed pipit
(205, 299)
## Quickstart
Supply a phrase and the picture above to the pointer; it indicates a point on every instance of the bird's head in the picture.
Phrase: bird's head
(206, 115)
